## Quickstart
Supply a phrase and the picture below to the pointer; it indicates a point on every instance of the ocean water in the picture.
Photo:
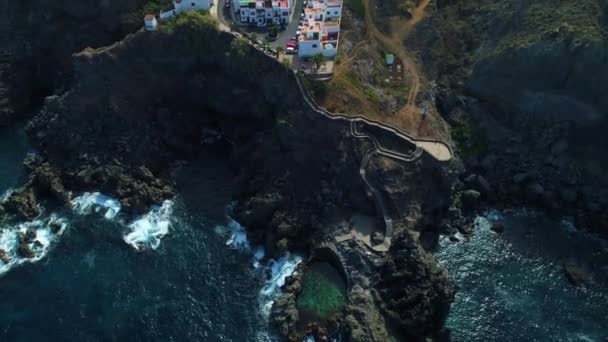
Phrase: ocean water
(512, 287)
(172, 274)
(13, 148)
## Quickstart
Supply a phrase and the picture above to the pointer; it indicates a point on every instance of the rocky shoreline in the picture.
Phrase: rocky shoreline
(121, 130)
(134, 111)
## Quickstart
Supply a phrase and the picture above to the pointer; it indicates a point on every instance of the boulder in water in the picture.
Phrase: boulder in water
(498, 227)
(576, 274)
(3, 257)
(25, 251)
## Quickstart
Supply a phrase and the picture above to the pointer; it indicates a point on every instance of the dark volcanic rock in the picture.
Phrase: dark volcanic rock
(416, 290)
(22, 203)
(41, 37)
(577, 275)
(498, 227)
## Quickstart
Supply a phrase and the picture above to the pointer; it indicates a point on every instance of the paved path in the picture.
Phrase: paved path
(436, 148)
(217, 11)
(432, 147)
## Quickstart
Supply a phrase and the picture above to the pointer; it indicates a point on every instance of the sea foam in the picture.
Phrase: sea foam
(40, 244)
(149, 229)
(238, 236)
(279, 271)
(90, 202)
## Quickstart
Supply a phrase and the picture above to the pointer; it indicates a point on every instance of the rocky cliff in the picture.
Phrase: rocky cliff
(38, 37)
(522, 85)
(137, 109)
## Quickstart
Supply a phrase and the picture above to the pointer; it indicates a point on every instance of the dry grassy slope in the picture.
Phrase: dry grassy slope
(361, 80)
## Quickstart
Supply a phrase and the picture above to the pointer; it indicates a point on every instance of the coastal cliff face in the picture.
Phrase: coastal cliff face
(138, 109)
(38, 37)
(522, 85)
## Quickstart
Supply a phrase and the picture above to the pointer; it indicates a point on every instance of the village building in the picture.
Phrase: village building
(180, 6)
(263, 12)
(150, 22)
(320, 29)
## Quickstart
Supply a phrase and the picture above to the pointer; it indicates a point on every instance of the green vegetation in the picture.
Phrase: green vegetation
(355, 82)
(239, 46)
(320, 296)
(576, 21)
(356, 6)
(191, 20)
(469, 137)
(318, 59)
(318, 89)
(339, 57)
(154, 6)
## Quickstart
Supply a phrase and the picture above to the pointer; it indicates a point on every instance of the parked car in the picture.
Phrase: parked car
(294, 39)
(291, 50)
(298, 32)
(291, 44)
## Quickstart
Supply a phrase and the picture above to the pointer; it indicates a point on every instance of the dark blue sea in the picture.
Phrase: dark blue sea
(194, 277)
(184, 272)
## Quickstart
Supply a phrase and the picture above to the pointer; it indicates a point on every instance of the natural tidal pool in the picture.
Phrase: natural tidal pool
(323, 292)
(512, 286)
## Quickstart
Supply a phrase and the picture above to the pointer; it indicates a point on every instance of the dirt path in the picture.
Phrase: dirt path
(394, 43)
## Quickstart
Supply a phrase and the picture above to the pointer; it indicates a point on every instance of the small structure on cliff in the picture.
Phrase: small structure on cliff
(181, 6)
(150, 22)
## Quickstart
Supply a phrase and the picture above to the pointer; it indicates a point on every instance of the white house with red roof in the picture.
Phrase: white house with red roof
(263, 12)
(320, 29)
(150, 22)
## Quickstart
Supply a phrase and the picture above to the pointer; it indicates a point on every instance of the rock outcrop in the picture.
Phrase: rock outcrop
(521, 84)
(416, 291)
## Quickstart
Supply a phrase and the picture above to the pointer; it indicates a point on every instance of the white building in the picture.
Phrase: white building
(180, 6)
(263, 12)
(320, 29)
(150, 22)
(188, 5)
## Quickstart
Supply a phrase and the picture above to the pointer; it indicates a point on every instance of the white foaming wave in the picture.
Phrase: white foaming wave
(6, 195)
(239, 240)
(40, 244)
(280, 270)
(238, 236)
(90, 202)
(149, 229)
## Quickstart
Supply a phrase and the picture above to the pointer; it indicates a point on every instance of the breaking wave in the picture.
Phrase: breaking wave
(148, 230)
(276, 271)
(95, 202)
(29, 241)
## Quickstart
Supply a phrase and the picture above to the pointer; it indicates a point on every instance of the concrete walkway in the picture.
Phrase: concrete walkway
(378, 149)
(363, 227)
(436, 148)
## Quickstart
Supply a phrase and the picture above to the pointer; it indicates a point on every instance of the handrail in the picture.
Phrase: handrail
(339, 116)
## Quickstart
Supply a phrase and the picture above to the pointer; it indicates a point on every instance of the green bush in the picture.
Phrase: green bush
(356, 6)
(154, 6)
(470, 137)
(191, 21)
(239, 46)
